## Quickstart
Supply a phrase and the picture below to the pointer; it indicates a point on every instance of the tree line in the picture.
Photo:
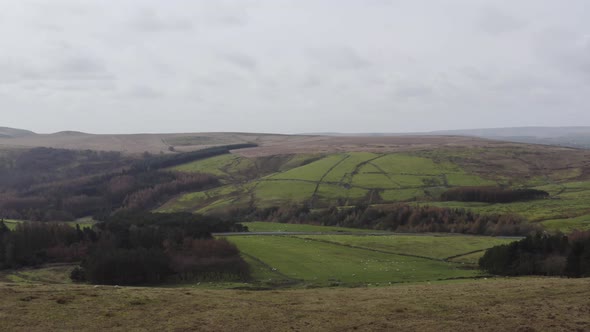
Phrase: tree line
(129, 248)
(394, 217)
(492, 194)
(541, 254)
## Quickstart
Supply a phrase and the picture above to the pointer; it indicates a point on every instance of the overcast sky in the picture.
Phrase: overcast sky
(293, 66)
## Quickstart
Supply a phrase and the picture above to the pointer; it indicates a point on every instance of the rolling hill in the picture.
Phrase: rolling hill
(411, 173)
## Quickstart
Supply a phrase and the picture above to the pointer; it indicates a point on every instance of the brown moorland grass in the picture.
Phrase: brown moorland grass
(519, 304)
(139, 143)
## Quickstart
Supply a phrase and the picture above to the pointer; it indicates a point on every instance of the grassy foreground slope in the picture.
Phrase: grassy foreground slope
(525, 304)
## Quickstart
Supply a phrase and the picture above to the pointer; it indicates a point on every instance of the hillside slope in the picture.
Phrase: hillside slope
(413, 173)
(6, 132)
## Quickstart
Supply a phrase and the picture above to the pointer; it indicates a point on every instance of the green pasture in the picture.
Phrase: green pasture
(571, 199)
(283, 191)
(344, 170)
(432, 246)
(320, 263)
(355, 177)
(330, 192)
(581, 223)
(310, 172)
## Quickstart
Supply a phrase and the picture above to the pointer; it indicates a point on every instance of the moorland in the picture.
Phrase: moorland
(398, 223)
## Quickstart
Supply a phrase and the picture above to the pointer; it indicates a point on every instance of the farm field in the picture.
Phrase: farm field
(345, 177)
(569, 200)
(322, 260)
(581, 223)
(432, 246)
(420, 176)
(506, 304)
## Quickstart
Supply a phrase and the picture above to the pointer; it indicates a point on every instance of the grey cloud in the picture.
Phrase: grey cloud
(76, 68)
(241, 60)
(338, 58)
(142, 92)
(81, 66)
(406, 90)
(151, 21)
(566, 51)
(496, 21)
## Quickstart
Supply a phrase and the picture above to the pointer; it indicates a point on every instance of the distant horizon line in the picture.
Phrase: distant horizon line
(300, 133)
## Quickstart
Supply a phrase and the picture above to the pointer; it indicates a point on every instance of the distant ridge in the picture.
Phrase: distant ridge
(7, 132)
(541, 132)
(576, 137)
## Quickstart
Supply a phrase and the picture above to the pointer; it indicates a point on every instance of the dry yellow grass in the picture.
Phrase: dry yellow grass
(523, 304)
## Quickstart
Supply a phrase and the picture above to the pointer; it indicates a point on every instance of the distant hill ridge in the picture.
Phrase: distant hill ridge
(576, 137)
(13, 132)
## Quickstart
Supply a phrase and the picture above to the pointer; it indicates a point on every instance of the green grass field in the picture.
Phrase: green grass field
(571, 199)
(218, 165)
(362, 177)
(432, 246)
(581, 223)
(320, 264)
(344, 177)
(310, 172)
